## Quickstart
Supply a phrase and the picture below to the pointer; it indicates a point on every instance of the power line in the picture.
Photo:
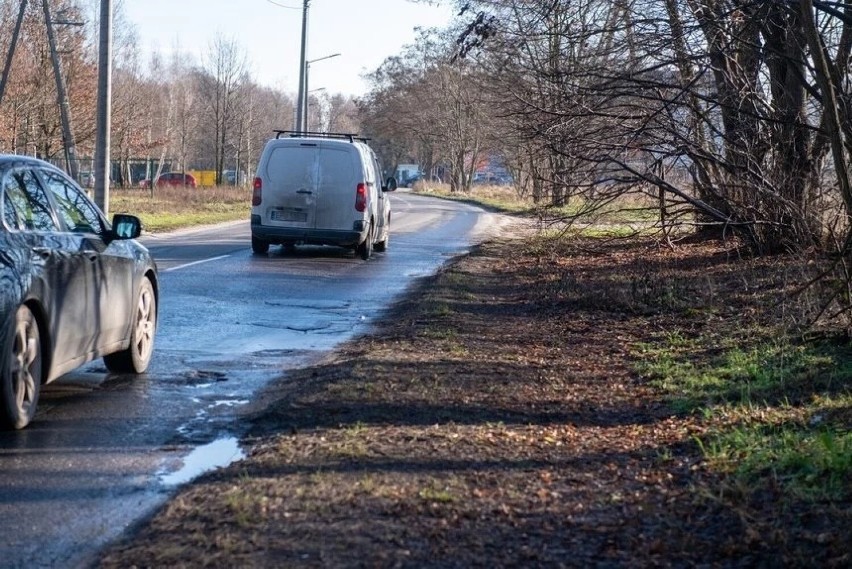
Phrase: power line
(283, 6)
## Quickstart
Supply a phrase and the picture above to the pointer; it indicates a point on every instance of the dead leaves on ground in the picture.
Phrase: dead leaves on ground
(494, 420)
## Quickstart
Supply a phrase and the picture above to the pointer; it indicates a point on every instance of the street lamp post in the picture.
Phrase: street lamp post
(303, 126)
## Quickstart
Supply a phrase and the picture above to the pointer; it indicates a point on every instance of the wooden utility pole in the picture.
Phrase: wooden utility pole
(12, 44)
(70, 145)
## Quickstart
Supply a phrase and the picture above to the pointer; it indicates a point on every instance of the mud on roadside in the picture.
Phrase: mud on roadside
(490, 420)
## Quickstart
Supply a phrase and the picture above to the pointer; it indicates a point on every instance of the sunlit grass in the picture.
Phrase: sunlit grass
(501, 198)
(172, 208)
(811, 463)
(777, 410)
(625, 209)
(738, 374)
(613, 231)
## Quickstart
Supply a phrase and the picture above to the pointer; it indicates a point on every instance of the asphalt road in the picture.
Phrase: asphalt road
(105, 450)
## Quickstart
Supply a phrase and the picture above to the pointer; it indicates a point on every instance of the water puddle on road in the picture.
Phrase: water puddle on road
(217, 454)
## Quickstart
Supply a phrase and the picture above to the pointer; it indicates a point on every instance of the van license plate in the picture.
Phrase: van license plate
(288, 215)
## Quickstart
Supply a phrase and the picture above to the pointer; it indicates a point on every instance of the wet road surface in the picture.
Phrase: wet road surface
(106, 450)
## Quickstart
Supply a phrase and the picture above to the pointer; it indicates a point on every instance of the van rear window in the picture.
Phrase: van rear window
(292, 165)
(337, 168)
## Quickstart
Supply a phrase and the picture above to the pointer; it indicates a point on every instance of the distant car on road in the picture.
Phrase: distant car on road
(74, 287)
(174, 179)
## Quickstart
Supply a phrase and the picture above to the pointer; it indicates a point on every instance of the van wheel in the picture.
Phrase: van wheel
(365, 249)
(259, 246)
(382, 246)
(20, 381)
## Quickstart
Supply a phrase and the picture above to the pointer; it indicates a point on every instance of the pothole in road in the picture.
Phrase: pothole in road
(198, 377)
(313, 305)
(281, 353)
(295, 328)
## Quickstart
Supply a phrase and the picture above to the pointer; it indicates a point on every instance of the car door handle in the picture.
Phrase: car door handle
(304, 192)
(92, 255)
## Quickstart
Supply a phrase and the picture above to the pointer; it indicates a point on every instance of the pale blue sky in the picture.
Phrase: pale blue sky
(364, 32)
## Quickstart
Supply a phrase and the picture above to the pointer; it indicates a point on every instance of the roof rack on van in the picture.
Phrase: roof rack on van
(303, 134)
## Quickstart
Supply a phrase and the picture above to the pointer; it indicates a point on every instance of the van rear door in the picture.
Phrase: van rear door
(338, 180)
(292, 173)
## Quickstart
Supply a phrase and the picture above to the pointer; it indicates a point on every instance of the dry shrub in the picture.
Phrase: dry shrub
(795, 293)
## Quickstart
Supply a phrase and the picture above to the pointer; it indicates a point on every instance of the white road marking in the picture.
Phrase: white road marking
(170, 269)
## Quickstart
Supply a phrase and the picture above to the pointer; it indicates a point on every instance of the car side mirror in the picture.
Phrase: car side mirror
(391, 185)
(125, 226)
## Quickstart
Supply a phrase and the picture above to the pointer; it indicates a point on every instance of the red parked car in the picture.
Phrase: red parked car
(174, 179)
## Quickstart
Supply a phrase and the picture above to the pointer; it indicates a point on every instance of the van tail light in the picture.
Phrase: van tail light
(361, 197)
(257, 191)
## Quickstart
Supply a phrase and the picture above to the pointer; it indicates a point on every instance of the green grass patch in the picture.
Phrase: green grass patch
(775, 409)
(810, 463)
(613, 231)
(695, 374)
(436, 494)
(441, 309)
(440, 333)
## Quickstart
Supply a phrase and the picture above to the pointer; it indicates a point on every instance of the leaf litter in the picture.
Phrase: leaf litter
(495, 418)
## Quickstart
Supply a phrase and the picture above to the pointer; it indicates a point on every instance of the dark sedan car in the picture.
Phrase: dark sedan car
(73, 287)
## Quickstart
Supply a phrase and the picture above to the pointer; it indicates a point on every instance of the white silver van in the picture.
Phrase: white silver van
(323, 189)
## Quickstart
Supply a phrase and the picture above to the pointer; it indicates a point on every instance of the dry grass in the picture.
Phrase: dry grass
(170, 208)
(504, 198)
(610, 207)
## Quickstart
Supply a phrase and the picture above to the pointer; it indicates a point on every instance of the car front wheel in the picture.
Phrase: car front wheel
(137, 356)
(22, 375)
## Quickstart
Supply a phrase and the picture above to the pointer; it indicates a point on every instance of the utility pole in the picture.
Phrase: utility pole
(62, 94)
(12, 44)
(303, 95)
(102, 145)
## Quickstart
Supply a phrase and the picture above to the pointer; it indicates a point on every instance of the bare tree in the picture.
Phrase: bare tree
(728, 108)
(183, 98)
(38, 83)
(425, 105)
(342, 114)
(225, 66)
